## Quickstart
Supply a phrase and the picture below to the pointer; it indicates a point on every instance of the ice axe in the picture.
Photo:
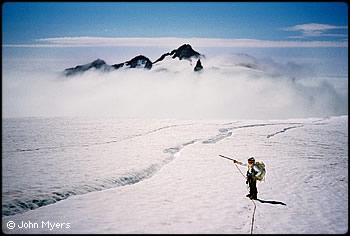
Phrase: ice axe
(227, 158)
(235, 161)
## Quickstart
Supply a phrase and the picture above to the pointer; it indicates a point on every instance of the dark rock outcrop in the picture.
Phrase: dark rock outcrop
(117, 66)
(139, 62)
(186, 52)
(164, 55)
(183, 52)
(97, 64)
(198, 66)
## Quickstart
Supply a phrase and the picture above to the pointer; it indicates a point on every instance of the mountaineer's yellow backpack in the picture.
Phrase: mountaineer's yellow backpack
(262, 168)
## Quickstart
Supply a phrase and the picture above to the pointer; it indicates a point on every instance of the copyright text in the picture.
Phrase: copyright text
(37, 225)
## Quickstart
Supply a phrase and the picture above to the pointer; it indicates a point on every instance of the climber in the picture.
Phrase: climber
(255, 172)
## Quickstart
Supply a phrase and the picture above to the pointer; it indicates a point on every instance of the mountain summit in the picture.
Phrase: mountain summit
(97, 64)
(186, 52)
(183, 52)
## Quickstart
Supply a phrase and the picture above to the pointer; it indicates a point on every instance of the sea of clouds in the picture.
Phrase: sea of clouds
(232, 86)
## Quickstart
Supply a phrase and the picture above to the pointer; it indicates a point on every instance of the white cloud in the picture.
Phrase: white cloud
(174, 42)
(219, 92)
(315, 30)
(316, 27)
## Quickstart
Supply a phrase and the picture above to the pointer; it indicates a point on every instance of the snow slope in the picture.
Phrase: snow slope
(196, 191)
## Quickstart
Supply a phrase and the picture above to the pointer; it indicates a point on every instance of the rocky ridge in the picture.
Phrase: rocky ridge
(184, 52)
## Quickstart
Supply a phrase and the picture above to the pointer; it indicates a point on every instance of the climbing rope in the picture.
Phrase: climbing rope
(240, 171)
(252, 224)
(251, 229)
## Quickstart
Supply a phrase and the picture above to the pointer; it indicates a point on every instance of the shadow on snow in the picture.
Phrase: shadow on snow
(271, 202)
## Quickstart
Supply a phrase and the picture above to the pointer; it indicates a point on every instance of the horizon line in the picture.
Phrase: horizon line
(86, 41)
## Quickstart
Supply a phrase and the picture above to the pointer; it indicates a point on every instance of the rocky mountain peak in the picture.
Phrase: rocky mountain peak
(139, 62)
(98, 63)
(185, 51)
(198, 66)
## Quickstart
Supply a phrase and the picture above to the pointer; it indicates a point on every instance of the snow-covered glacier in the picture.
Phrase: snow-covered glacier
(108, 175)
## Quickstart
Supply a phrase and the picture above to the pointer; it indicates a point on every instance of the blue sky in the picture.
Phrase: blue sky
(51, 29)
(25, 22)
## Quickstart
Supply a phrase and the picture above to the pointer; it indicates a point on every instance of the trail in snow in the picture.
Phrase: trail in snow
(224, 132)
(284, 130)
(217, 138)
(98, 143)
(315, 122)
(19, 206)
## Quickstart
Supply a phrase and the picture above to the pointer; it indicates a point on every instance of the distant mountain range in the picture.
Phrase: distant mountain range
(183, 52)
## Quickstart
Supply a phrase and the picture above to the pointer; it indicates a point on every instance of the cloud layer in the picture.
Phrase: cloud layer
(229, 87)
(315, 30)
(174, 42)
